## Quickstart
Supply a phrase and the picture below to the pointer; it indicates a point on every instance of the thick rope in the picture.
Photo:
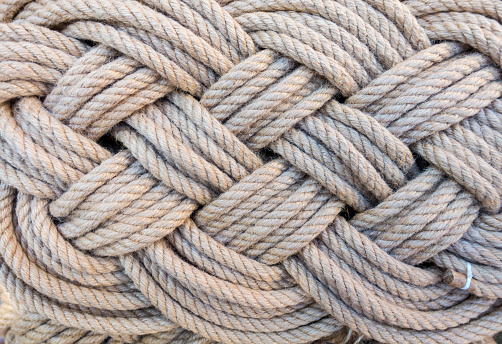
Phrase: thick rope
(250, 171)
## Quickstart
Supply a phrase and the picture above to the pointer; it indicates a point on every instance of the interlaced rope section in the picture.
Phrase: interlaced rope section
(287, 171)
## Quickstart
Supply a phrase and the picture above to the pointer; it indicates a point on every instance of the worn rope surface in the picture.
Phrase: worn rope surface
(250, 171)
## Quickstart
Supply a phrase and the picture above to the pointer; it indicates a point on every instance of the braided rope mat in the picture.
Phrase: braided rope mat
(250, 171)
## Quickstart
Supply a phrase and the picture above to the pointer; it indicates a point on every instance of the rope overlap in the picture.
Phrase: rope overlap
(250, 171)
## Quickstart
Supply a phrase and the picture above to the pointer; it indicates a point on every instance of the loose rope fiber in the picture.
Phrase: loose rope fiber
(250, 171)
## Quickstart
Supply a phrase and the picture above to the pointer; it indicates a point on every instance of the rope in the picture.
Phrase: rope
(250, 171)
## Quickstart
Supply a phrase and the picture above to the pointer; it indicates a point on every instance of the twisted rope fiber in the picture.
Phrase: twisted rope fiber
(250, 171)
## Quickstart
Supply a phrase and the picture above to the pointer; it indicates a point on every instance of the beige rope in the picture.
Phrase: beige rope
(250, 171)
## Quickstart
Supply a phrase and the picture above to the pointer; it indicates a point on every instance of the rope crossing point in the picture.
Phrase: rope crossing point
(250, 171)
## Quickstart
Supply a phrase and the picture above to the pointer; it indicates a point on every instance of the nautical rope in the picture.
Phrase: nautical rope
(250, 171)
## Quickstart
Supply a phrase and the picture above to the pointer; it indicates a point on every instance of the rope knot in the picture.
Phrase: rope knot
(250, 171)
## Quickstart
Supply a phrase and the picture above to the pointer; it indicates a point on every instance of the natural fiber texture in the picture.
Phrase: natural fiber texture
(250, 171)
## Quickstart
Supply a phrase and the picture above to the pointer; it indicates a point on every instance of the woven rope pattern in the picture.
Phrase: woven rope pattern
(250, 171)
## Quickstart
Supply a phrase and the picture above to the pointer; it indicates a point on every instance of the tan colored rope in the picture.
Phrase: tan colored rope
(250, 171)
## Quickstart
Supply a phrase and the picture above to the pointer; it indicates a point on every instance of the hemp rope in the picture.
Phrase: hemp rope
(250, 171)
